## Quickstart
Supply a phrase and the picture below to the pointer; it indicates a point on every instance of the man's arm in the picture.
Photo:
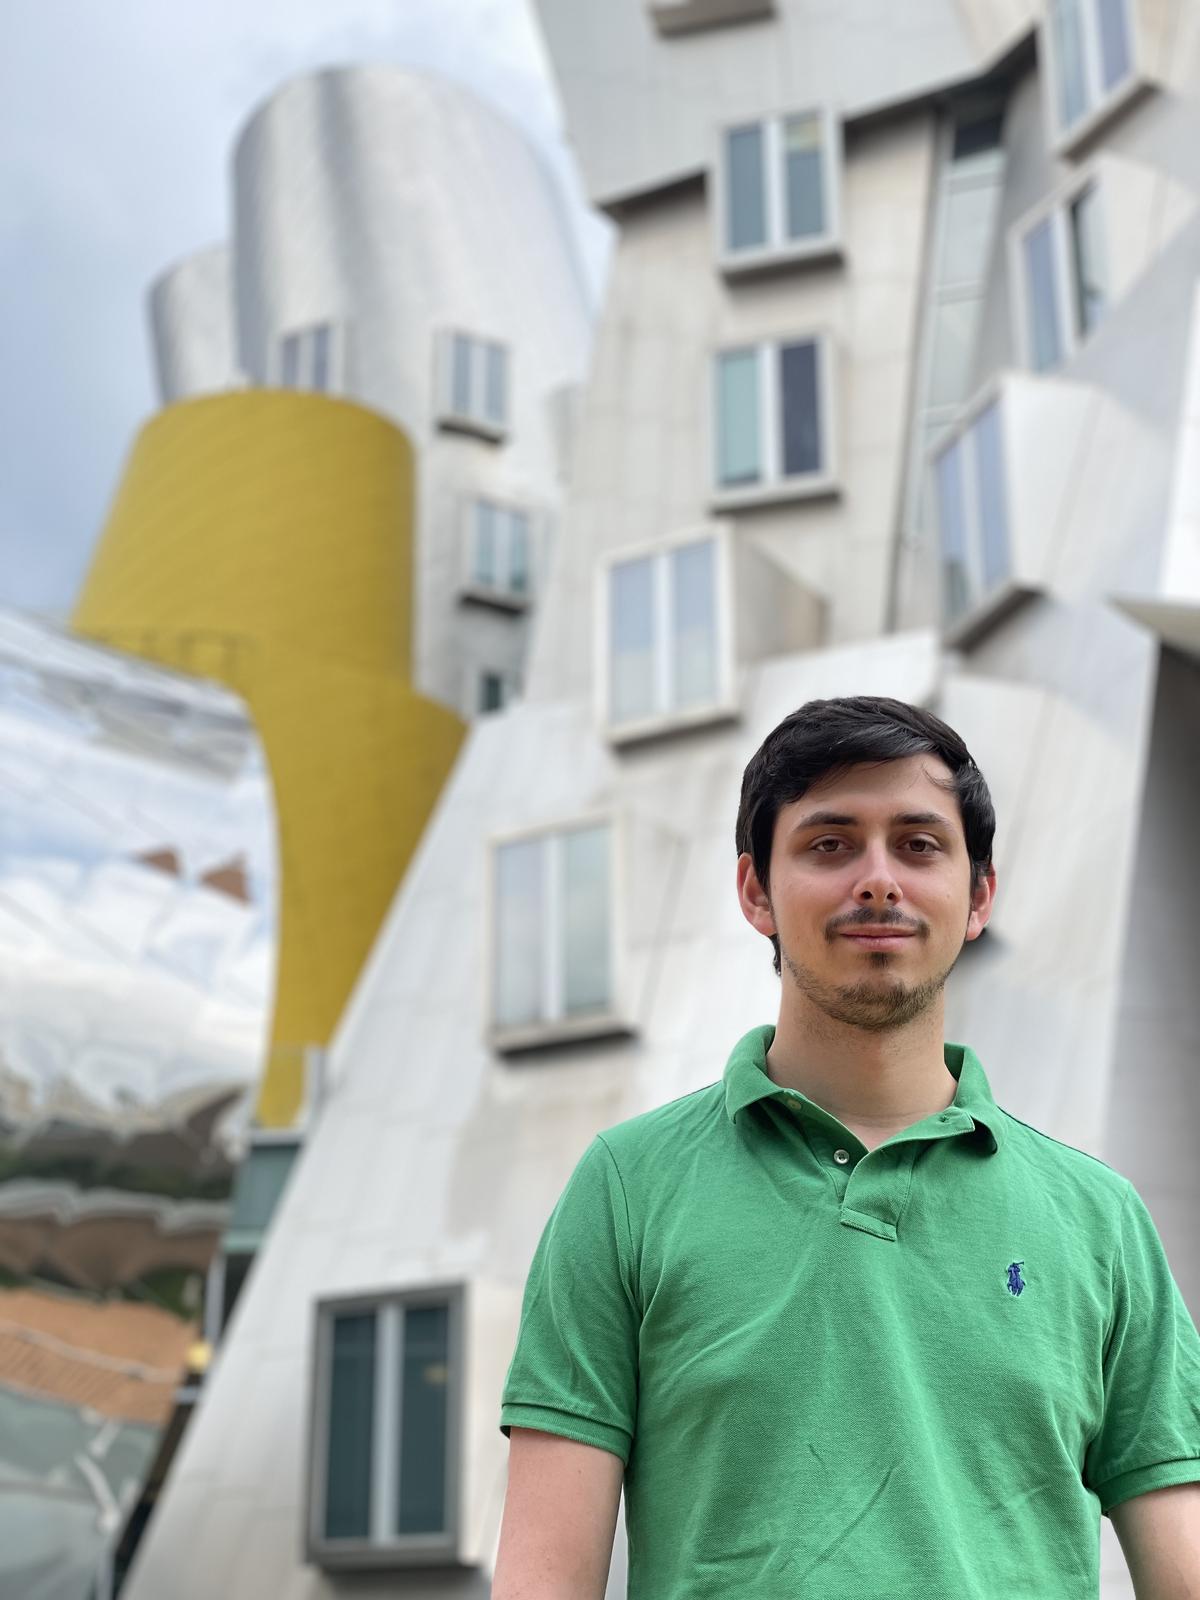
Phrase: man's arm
(560, 1514)
(1160, 1535)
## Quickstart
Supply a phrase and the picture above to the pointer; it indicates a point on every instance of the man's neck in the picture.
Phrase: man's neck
(875, 1084)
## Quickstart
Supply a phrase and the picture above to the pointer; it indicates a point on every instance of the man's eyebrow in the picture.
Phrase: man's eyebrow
(902, 819)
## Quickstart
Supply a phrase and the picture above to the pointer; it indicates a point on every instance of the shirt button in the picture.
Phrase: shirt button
(841, 1157)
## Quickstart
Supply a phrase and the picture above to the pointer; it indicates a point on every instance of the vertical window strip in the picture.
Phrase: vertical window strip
(425, 1376)
(1115, 43)
(1087, 260)
(1042, 296)
(991, 494)
(389, 1423)
(552, 953)
(803, 176)
(350, 1430)
(740, 417)
(745, 188)
(664, 686)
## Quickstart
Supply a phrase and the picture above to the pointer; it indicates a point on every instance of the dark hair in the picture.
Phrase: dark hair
(827, 736)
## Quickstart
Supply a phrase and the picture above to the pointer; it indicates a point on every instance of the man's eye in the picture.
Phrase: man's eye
(928, 846)
(820, 842)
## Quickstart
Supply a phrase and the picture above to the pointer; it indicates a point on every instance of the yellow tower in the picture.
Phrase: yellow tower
(264, 538)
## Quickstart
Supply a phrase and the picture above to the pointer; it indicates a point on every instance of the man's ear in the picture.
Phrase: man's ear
(983, 897)
(752, 897)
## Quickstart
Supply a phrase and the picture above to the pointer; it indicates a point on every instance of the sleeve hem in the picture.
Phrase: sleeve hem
(1162, 1475)
(584, 1430)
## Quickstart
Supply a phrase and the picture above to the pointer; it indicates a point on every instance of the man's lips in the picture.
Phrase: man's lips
(877, 938)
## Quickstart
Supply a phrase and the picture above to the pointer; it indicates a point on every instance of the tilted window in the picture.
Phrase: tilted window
(473, 385)
(970, 477)
(388, 1389)
(312, 358)
(778, 190)
(497, 565)
(1091, 55)
(666, 630)
(1063, 277)
(690, 16)
(553, 937)
(773, 420)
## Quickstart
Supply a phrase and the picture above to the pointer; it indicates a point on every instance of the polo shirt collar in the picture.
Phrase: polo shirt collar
(746, 1081)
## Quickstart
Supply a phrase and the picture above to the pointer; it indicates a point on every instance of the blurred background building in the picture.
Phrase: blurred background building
(896, 389)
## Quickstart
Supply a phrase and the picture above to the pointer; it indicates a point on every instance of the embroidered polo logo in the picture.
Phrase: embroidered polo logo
(1015, 1281)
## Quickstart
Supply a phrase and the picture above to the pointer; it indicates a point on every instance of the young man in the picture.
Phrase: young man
(844, 1328)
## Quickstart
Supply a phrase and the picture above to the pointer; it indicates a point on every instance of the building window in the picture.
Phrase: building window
(1063, 277)
(473, 385)
(972, 501)
(689, 16)
(388, 1386)
(312, 358)
(552, 935)
(495, 690)
(497, 563)
(1091, 54)
(778, 190)
(773, 420)
(665, 627)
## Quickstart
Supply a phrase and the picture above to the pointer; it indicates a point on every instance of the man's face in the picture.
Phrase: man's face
(870, 891)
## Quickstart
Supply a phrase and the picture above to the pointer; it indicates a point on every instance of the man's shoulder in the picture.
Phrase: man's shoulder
(1052, 1158)
(669, 1126)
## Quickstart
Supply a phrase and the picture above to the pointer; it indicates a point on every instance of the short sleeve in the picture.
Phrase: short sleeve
(1149, 1437)
(574, 1371)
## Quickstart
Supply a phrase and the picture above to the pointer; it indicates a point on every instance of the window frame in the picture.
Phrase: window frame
(773, 489)
(336, 358)
(725, 706)
(474, 422)
(1056, 208)
(983, 603)
(504, 598)
(1102, 103)
(779, 250)
(474, 673)
(398, 1550)
(507, 1038)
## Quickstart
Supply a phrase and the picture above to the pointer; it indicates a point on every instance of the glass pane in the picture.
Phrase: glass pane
(484, 568)
(1066, 24)
(631, 640)
(745, 190)
(495, 400)
(804, 182)
(993, 495)
(424, 1391)
(738, 448)
(1087, 260)
(967, 233)
(586, 979)
(954, 326)
(460, 376)
(953, 531)
(520, 953)
(1045, 335)
(694, 624)
(975, 137)
(518, 552)
(320, 353)
(290, 375)
(801, 413)
(1116, 55)
(491, 691)
(351, 1427)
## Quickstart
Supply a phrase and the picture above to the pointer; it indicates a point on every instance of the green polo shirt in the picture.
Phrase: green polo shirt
(922, 1370)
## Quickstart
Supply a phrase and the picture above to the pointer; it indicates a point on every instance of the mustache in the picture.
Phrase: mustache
(876, 919)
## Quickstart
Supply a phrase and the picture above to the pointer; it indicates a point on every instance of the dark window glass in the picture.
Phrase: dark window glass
(460, 376)
(424, 1391)
(975, 135)
(290, 375)
(1066, 23)
(745, 189)
(801, 420)
(518, 553)
(496, 383)
(993, 495)
(320, 361)
(491, 691)
(351, 1426)
(1116, 56)
(1087, 260)
(953, 530)
(237, 1270)
(805, 176)
(1045, 334)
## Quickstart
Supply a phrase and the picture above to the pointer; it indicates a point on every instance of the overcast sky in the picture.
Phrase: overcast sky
(116, 126)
